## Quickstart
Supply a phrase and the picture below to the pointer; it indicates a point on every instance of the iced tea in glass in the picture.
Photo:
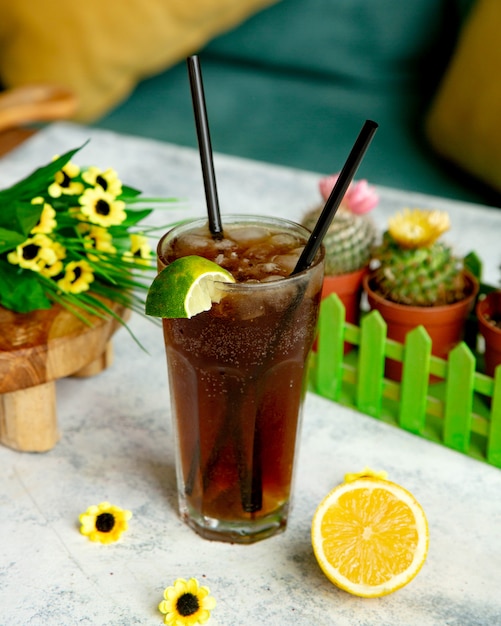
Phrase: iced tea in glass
(237, 376)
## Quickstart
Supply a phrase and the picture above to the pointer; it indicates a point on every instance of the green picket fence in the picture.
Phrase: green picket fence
(461, 411)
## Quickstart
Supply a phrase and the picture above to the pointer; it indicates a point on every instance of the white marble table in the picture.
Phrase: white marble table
(116, 445)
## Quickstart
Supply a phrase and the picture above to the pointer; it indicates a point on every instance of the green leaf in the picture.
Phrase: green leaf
(9, 239)
(20, 217)
(28, 216)
(473, 263)
(37, 182)
(135, 216)
(129, 193)
(23, 295)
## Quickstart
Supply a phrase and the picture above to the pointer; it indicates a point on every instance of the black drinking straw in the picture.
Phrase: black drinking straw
(334, 200)
(204, 145)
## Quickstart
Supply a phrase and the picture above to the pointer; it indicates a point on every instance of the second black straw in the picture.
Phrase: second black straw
(334, 200)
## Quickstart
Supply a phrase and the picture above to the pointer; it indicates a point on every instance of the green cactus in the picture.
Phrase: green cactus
(425, 276)
(348, 242)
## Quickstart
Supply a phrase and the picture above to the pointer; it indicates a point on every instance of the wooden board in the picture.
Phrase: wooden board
(36, 349)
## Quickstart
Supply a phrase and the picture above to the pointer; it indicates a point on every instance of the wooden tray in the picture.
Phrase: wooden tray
(36, 349)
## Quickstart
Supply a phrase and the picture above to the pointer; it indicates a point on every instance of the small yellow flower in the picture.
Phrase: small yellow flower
(97, 238)
(101, 208)
(108, 180)
(36, 253)
(55, 268)
(64, 183)
(367, 471)
(140, 250)
(104, 523)
(46, 223)
(418, 228)
(78, 275)
(186, 603)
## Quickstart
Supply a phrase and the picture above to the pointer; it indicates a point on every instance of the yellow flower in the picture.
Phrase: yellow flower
(77, 277)
(101, 208)
(46, 223)
(36, 253)
(418, 228)
(97, 238)
(186, 603)
(367, 471)
(64, 183)
(55, 268)
(140, 250)
(104, 523)
(108, 180)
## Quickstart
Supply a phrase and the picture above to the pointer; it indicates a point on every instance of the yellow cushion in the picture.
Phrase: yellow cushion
(464, 122)
(102, 48)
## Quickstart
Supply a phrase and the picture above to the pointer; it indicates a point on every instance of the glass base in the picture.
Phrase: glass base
(245, 531)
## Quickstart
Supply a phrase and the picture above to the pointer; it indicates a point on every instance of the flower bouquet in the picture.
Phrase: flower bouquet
(74, 261)
(71, 236)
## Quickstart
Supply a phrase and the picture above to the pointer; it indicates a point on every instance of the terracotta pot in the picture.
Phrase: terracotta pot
(490, 307)
(349, 289)
(444, 324)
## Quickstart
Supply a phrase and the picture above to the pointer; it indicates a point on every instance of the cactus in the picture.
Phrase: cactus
(351, 235)
(348, 242)
(413, 267)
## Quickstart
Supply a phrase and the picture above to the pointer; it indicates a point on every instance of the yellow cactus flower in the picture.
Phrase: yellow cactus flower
(418, 228)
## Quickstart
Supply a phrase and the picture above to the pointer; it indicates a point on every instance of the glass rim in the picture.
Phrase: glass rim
(248, 218)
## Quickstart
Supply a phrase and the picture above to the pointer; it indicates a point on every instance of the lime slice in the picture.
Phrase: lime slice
(186, 287)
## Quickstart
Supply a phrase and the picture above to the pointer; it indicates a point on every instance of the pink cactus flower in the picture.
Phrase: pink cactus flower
(359, 198)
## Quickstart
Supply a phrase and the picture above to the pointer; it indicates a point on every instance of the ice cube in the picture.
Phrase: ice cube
(287, 262)
(247, 235)
(194, 244)
(225, 244)
(261, 251)
(260, 271)
(272, 278)
(267, 268)
(285, 241)
(202, 244)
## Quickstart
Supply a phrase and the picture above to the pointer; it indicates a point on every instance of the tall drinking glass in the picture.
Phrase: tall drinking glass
(237, 376)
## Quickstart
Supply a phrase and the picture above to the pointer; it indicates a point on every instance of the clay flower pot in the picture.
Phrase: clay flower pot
(444, 324)
(349, 289)
(488, 312)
